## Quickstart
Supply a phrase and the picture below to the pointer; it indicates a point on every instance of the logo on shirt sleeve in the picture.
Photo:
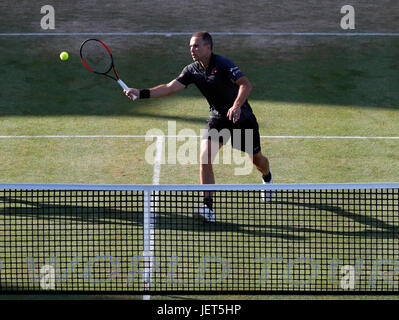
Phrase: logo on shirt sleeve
(235, 71)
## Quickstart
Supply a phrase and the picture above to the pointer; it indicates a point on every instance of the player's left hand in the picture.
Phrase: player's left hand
(234, 114)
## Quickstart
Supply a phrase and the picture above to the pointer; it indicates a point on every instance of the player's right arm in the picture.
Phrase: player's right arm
(160, 91)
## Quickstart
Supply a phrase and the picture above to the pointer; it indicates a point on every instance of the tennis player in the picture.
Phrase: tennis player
(226, 89)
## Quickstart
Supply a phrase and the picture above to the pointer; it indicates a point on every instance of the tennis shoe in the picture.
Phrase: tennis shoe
(266, 195)
(206, 213)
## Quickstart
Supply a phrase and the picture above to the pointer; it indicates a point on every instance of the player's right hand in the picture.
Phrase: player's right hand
(130, 92)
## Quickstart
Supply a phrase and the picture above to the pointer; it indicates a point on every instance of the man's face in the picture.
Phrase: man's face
(198, 49)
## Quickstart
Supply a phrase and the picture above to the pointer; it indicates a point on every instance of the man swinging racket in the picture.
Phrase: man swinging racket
(226, 89)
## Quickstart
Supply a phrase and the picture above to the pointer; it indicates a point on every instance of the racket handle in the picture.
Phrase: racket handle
(125, 87)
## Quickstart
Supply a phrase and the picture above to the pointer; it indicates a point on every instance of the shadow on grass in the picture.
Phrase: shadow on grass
(187, 221)
(374, 228)
(101, 215)
(328, 72)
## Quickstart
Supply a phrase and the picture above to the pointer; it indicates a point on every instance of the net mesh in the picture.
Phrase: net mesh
(96, 56)
(150, 240)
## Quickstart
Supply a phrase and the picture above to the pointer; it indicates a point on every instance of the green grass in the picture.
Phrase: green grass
(302, 87)
(344, 89)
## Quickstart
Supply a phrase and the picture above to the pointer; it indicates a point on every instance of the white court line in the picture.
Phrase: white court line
(157, 161)
(330, 137)
(150, 214)
(188, 136)
(171, 34)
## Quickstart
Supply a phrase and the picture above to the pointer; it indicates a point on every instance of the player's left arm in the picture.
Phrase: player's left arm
(244, 89)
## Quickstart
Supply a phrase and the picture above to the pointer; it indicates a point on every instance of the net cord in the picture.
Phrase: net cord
(196, 187)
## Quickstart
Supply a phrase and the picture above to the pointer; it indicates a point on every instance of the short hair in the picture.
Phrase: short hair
(205, 36)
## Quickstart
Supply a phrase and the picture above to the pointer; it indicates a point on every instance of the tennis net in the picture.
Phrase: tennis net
(318, 238)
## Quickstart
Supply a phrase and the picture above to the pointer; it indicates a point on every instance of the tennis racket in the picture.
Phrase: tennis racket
(97, 57)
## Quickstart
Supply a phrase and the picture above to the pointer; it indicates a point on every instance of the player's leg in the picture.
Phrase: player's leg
(216, 134)
(208, 152)
(248, 140)
(260, 162)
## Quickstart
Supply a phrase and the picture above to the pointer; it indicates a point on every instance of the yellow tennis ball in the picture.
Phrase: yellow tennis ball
(64, 55)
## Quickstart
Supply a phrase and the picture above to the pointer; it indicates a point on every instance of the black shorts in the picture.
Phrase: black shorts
(244, 134)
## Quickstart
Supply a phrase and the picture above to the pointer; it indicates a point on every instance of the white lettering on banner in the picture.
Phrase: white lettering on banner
(48, 20)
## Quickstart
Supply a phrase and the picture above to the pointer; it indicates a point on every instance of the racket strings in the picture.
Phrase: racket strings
(96, 56)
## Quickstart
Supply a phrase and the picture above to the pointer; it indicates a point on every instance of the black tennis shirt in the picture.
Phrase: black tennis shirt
(217, 83)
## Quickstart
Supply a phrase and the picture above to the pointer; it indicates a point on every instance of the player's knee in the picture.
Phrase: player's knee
(206, 168)
(208, 152)
(205, 157)
(258, 159)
